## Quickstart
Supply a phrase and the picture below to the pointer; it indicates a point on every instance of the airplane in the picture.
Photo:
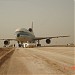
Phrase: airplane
(23, 36)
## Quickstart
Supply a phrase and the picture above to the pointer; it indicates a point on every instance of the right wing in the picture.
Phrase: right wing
(9, 39)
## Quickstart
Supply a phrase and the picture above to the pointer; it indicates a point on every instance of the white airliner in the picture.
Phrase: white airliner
(23, 36)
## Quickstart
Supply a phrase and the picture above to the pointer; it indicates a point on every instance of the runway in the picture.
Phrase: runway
(40, 61)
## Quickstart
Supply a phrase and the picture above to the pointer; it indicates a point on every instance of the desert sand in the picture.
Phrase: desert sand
(40, 61)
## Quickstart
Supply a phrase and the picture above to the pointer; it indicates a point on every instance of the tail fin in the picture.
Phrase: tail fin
(32, 28)
(32, 25)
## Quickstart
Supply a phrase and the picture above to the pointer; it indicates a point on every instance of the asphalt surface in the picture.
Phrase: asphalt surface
(40, 61)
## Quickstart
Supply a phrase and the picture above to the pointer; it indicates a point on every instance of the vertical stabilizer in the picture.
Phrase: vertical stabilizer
(32, 28)
(32, 25)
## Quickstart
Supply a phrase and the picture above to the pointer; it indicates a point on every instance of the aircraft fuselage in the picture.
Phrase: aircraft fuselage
(23, 35)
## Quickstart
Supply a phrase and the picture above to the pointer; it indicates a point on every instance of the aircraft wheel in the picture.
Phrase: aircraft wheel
(19, 45)
(38, 45)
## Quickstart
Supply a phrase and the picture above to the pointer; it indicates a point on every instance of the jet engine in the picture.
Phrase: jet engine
(6, 42)
(48, 41)
(30, 29)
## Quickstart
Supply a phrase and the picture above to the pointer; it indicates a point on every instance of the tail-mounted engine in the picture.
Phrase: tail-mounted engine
(48, 41)
(30, 29)
(6, 42)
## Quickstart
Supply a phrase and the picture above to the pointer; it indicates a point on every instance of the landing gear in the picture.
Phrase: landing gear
(19, 45)
(38, 45)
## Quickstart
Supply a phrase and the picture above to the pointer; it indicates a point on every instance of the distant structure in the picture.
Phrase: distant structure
(70, 44)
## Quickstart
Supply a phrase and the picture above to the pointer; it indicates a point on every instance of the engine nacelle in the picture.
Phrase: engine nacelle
(48, 41)
(30, 29)
(6, 42)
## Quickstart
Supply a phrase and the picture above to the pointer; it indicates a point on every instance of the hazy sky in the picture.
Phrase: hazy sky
(50, 17)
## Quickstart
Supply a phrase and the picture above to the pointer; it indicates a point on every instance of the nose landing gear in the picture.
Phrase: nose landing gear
(20, 44)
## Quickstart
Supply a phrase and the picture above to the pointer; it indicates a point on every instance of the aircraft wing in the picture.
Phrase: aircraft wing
(9, 39)
(40, 38)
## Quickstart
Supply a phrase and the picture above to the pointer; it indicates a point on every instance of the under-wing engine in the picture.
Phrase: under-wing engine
(48, 41)
(6, 42)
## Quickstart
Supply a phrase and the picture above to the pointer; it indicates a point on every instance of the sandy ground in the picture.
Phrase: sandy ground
(40, 61)
(3, 51)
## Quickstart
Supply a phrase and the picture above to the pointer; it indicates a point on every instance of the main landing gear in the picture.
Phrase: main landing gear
(38, 45)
